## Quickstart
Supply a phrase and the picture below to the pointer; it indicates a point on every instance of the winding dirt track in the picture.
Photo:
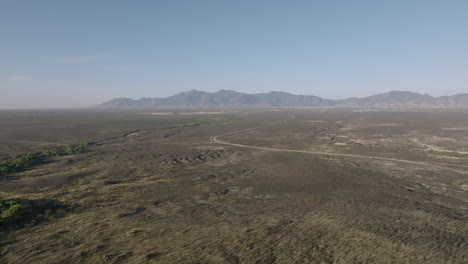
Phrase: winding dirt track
(215, 139)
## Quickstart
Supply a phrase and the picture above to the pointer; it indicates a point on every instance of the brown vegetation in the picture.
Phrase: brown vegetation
(154, 189)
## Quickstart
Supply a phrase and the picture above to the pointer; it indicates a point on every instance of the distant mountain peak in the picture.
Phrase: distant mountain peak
(277, 99)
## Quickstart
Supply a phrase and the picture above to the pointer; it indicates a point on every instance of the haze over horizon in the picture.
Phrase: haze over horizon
(58, 54)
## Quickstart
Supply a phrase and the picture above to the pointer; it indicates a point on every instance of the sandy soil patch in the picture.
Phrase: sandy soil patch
(184, 113)
(209, 147)
(202, 113)
(157, 113)
(388, 125)
(454, 128)
(316, 121)
(433, 148)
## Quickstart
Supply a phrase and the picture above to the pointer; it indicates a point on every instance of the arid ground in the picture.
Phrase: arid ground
(296, 186)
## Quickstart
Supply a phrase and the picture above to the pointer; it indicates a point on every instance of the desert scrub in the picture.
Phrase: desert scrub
(75, 149)
(32, 159)
(10, 208)
(21, 163)
(19, 213)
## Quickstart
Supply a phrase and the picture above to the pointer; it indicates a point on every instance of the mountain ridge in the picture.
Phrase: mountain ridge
(275, 99)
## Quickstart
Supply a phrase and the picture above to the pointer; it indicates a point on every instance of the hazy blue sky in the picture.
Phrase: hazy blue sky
(79, 53)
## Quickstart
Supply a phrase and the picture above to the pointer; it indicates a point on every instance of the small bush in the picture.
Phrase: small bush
(32, 159)
(10, 208)
(51, 153)
(21, 163)
(75, 149)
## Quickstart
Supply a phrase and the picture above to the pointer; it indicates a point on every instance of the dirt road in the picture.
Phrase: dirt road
(216, 139)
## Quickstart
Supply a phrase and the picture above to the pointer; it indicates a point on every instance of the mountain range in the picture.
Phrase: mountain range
(233, 100)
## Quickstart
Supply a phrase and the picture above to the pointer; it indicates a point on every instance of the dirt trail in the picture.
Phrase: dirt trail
(216, 140)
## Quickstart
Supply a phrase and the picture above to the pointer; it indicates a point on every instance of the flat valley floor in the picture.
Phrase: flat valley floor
(302, 186)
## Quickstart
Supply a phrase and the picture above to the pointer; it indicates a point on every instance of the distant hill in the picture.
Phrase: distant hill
(233, 99)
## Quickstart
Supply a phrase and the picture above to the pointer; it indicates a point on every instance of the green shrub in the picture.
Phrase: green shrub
(21, 163)
(32, 159)
(51, 153)
(10, 208)
(74, 149)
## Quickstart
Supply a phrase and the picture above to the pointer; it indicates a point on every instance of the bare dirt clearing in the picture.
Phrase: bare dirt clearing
(182, 113)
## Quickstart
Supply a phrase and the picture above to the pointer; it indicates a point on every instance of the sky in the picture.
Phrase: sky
(66, 54)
